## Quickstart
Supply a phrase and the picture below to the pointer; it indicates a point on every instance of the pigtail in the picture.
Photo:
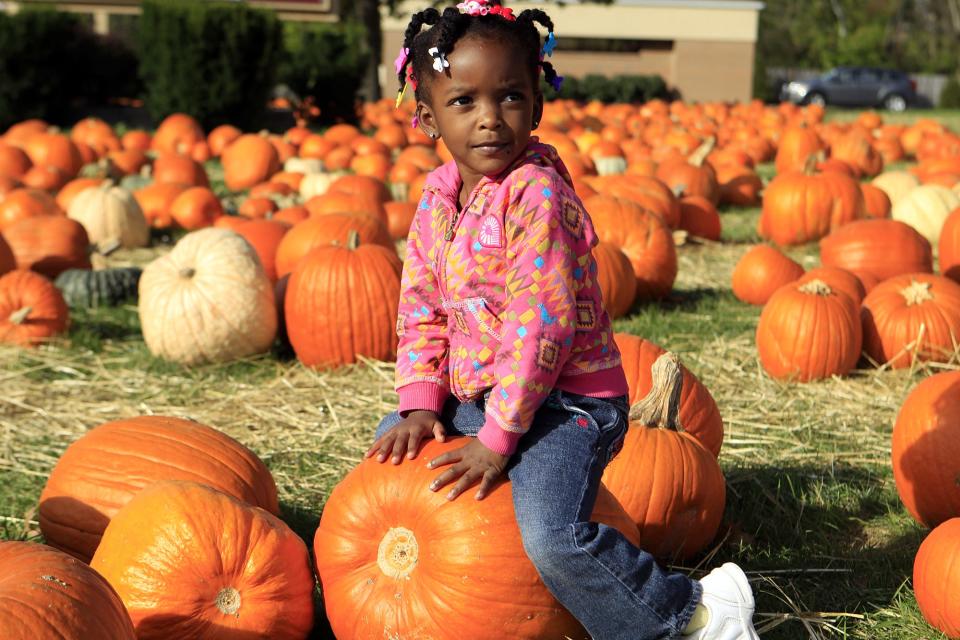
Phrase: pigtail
(451, 27)
(531, 16)
(428, 17)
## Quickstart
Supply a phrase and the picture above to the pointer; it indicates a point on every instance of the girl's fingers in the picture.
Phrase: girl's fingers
(439, 432)
(487, 483)
(413, 444)
(467, 480)
(399, 448)
(447, 477)
(385, 444)
(445, 458)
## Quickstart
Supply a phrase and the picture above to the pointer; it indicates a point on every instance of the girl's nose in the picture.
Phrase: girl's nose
(491, 117)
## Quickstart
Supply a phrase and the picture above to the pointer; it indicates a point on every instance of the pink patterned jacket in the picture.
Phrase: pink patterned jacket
(507, 299)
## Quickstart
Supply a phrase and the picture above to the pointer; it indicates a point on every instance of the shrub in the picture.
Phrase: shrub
(950, 96)
(215, 61)
(622, 88)
(325, 61)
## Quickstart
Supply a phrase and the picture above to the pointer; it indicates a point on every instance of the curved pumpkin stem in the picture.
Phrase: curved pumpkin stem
(810, 166)
(18, 316)
(353, 239)
(660, 409)
(816, 287)
(698, 157)
(916, 293)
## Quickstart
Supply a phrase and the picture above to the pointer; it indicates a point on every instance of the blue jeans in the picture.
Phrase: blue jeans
(614, 589)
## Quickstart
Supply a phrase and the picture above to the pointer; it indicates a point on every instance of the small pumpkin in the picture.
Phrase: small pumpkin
(177, 133)
(80, 498)
(110, 214)
(47, 595)
(668, 482)
(384, 533)
(911, 318)
(49, 244)
(896, 184)
(354, 287)
(195, 208)
(877, 249)
(189, 561)
(694, 176)
(86, 288)
(926, 209)
(213, 275)
(925, 449)
(936, 578)
(760, 272)
(249, 160)
(179, 169)
(797, 144)
(876, 201)
(32, 310)
(618, 284)
(808, 332)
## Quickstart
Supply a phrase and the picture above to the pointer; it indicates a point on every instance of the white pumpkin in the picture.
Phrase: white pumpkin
(306, 166)
(896, 184)
(110, 215)
(208, 300)
(316, 184)
(926, 208)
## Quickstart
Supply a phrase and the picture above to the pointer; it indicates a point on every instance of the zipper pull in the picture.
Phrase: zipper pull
(448, 234)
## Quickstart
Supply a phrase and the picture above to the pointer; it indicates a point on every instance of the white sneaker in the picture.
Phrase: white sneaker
(729, 601)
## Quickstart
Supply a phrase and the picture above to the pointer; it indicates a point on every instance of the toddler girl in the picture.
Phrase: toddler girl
(503, 335)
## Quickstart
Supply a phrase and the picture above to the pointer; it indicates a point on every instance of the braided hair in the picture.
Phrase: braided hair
(451, 25)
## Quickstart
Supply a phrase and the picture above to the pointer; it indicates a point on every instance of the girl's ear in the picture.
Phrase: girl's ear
(537, 111)
(428, 124)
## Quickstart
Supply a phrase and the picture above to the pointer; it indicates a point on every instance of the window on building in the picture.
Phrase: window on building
(612, 45)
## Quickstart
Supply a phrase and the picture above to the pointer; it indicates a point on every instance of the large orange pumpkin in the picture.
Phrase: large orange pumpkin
(761, 271)
(362, 204)
(341, 303)
(48, 595)
(796, 145)
(837, 279)
(49, 244)
(177, 169)
(27, 203)
(334, 228)
(699, 413)
(801, 206)
(880, 249)
(643, 237)
(668, 482)
(618, 284)
(936, 578)
(925, 449)
(195, 208)
(14, 163)
(32, 309)
(876, 201)
(949, 246)
(100, 472)
(178, 133)
(808, 332)
(384, 535)
(265, 237)
(856, 149)
(911, 318)
(699, 218)
(54, 149)
(155, 201)
(191, 562)
(694, 176)
(400, 216)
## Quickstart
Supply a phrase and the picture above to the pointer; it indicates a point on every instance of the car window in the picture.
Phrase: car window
(844, 76)
(868, 76)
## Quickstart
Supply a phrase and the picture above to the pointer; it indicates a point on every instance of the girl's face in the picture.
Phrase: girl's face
(484, 107)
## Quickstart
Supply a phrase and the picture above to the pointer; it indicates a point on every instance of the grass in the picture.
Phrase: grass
(812, 511)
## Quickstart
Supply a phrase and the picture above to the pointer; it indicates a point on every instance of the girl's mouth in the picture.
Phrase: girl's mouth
(491, 149)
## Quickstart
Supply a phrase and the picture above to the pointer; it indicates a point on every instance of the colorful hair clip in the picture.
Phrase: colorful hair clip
(556, 83)
(400, 95)
(504, 12)
(401, 59)
(474, 7)
(415, 122)
(550, 44)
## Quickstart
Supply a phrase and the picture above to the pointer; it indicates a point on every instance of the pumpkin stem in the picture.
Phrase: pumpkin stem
(661, 408)
(398, 552)
(700, 155)
(188, 272)
(810, 166)
(353, 239)
(18, 316)
(108, 247)
(816, 287)
(916, 293)
(228, 601)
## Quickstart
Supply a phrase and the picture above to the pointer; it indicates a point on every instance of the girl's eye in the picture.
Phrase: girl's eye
(513, 97)
(461, 101)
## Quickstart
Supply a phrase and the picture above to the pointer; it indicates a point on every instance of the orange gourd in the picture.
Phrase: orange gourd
(760, 272)
(699, 413)
(912, 318)
(249, 160)
(101, 471)
(879, 249)
(355, 288)
(195, 208)
(48, 595)
(32, 309)
(383, 533)
(936, 578)
(808, 332)
(618, 284)
(49, 244)
(191, 562)
(925, 449)
(668, 482)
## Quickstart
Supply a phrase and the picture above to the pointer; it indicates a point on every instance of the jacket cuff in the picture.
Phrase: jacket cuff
(498, 439)
(422, 396)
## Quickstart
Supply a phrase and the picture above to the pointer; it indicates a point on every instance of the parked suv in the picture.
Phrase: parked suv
(854, 87)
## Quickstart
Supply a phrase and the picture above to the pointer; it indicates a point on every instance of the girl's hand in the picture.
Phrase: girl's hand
(407, 435)
(471, 462)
